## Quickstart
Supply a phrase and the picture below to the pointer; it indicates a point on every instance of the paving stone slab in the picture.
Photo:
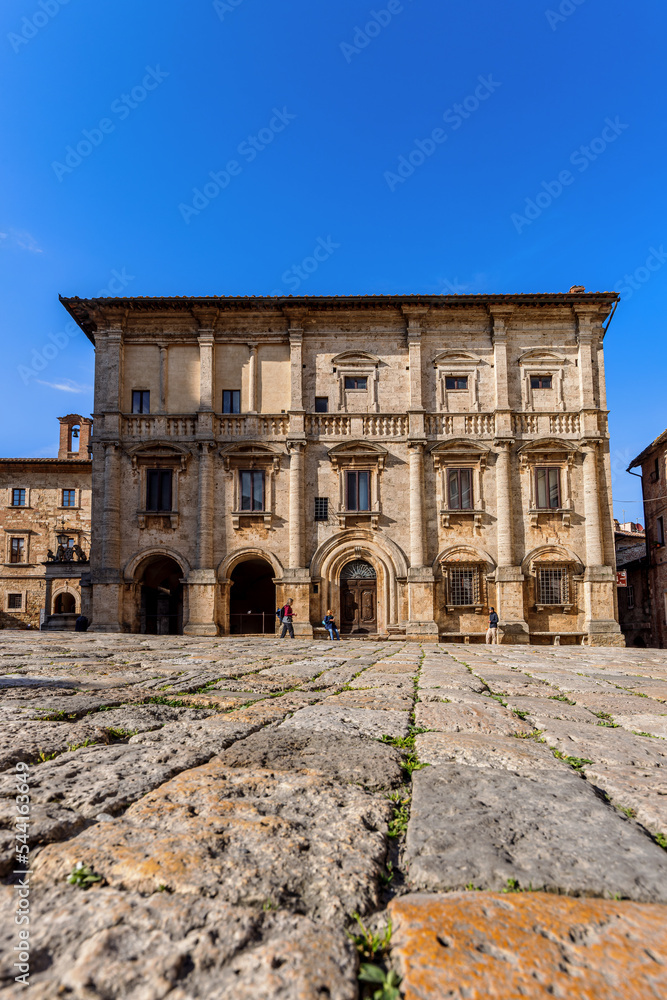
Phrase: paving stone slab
(123, 946)
(365, 762)
(482, 750)
(392, 700)
(473, 825)
(298, 840)
(533, 946)
(641, 789)
(352, 721)
(604, 744)
(32, 741)
(549, 708)
(486, 716)
(618, 703)
(655, 725)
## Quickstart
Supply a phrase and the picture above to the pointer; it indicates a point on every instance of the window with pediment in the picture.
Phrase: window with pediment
(460, 467)
(252, 468)
(457, 381)
(546, 468)
(357, 376)
(554, 574)
(158, 468)
(359, 466)
(542, 380)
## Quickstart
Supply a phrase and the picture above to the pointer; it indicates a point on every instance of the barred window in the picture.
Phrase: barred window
(14, 602)
(464, 586)
(553, 585)
(321, 508)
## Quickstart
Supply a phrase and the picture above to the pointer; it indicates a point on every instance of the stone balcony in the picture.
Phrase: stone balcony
(333, 426)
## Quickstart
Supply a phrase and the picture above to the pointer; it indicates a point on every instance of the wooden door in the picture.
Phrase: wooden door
(358, 606)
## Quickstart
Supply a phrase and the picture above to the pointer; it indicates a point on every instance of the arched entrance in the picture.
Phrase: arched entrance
(252, 603)
(358, 598)
(64, 604)
(161, 610)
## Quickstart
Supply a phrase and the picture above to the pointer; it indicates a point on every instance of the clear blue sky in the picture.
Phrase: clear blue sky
(214, 75)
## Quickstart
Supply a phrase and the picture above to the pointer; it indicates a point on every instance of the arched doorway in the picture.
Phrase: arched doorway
(64, 604)
(252, 604)
(358, 598)
(161, 597)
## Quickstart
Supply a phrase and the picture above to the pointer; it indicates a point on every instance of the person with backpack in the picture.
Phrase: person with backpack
(286, 619)
(330, 625)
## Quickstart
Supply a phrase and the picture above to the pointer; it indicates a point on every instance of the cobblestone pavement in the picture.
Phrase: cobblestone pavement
(496, 816)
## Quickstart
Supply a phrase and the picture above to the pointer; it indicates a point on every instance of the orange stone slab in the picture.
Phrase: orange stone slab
(532, 946)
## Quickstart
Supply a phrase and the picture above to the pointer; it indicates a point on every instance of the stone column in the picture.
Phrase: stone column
(162, 407)
(201, 580)
(205, 370)
(252, 379)
(105, 557)
(296, 580)
(296, 368)
(509, 578)
(421, 582)
(501, 316)
(599, 582)
(416, 452)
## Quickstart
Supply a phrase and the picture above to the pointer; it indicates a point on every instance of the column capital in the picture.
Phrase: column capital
(504, 443)
(295, 445)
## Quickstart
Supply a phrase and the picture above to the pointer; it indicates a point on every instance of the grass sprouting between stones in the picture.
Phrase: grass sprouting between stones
(379, 982)
(83, 877)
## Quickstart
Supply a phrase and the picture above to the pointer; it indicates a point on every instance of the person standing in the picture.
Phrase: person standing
(329, 623)
(287, 616)
(492, 630)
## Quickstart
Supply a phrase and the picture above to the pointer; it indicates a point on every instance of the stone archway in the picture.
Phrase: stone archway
(252, 599)
(358, 598)
(64, 603)
(160, 596)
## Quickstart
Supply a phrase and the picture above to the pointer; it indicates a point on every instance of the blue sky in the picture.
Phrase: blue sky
(313, 103)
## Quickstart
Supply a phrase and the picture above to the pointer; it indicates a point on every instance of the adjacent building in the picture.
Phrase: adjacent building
(406, 461)
(653, 464)
(45, 519)
(634, 606)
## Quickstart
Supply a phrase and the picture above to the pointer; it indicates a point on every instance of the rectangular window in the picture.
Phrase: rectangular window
(14, 602)
(552, 585)
(459, 488)
(18, 498)
(252, 490)
(456, 381)
(464, 585)
(631, 596)
(358, 490)
(660, 531)
(540, 381)
(141, 401)
(69, 498)
(231, 400)
(356, 382)
(158, 489)
(321, 508)
(547, 489)
(321, 404)
(17, 550)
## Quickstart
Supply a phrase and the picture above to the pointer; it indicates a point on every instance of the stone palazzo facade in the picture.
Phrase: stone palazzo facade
(407, 461)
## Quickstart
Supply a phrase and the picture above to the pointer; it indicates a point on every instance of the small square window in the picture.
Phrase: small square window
(17, 550)
(356, 382)
(321, 404)
(231, 401)
(456, 382)
(540, 381)
(321, 508)
(69, 498)
(18, 498)
(141, 401)
(15, 602)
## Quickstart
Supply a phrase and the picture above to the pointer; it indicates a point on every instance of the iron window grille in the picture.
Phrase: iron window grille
(358, 490)
(15, 602)
(69, 498)
(456, 381)
(141, 401)
(17, 550)
(547, 488)
(553, 585)
(356, 382)
(459, 489)
(631, 596)
(18, 498)
(464, 586)
(321, 508)
(321, 404)
(252, 489)
(158, 490)
(231, 401)
(540, 381)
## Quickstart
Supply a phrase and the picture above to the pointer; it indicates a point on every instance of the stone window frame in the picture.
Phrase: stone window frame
(250, 457)
(458, 364)
(538, 361)
(460, 454)
(158, 455)
(358, 456)
(357, 364)
(28, 497)
(77, 498)
(467, 556)
(555, 557)
(25, 534)
(24, 599)
(548, 453)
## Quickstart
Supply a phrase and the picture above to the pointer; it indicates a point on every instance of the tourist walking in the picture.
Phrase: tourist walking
(287, 616)
(492, 630)
(329, 623)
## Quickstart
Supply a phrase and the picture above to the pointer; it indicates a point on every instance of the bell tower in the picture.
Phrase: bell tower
(75, 432)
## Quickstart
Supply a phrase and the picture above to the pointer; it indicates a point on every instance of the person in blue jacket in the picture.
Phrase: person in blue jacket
(330, 625)
(492, 630)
